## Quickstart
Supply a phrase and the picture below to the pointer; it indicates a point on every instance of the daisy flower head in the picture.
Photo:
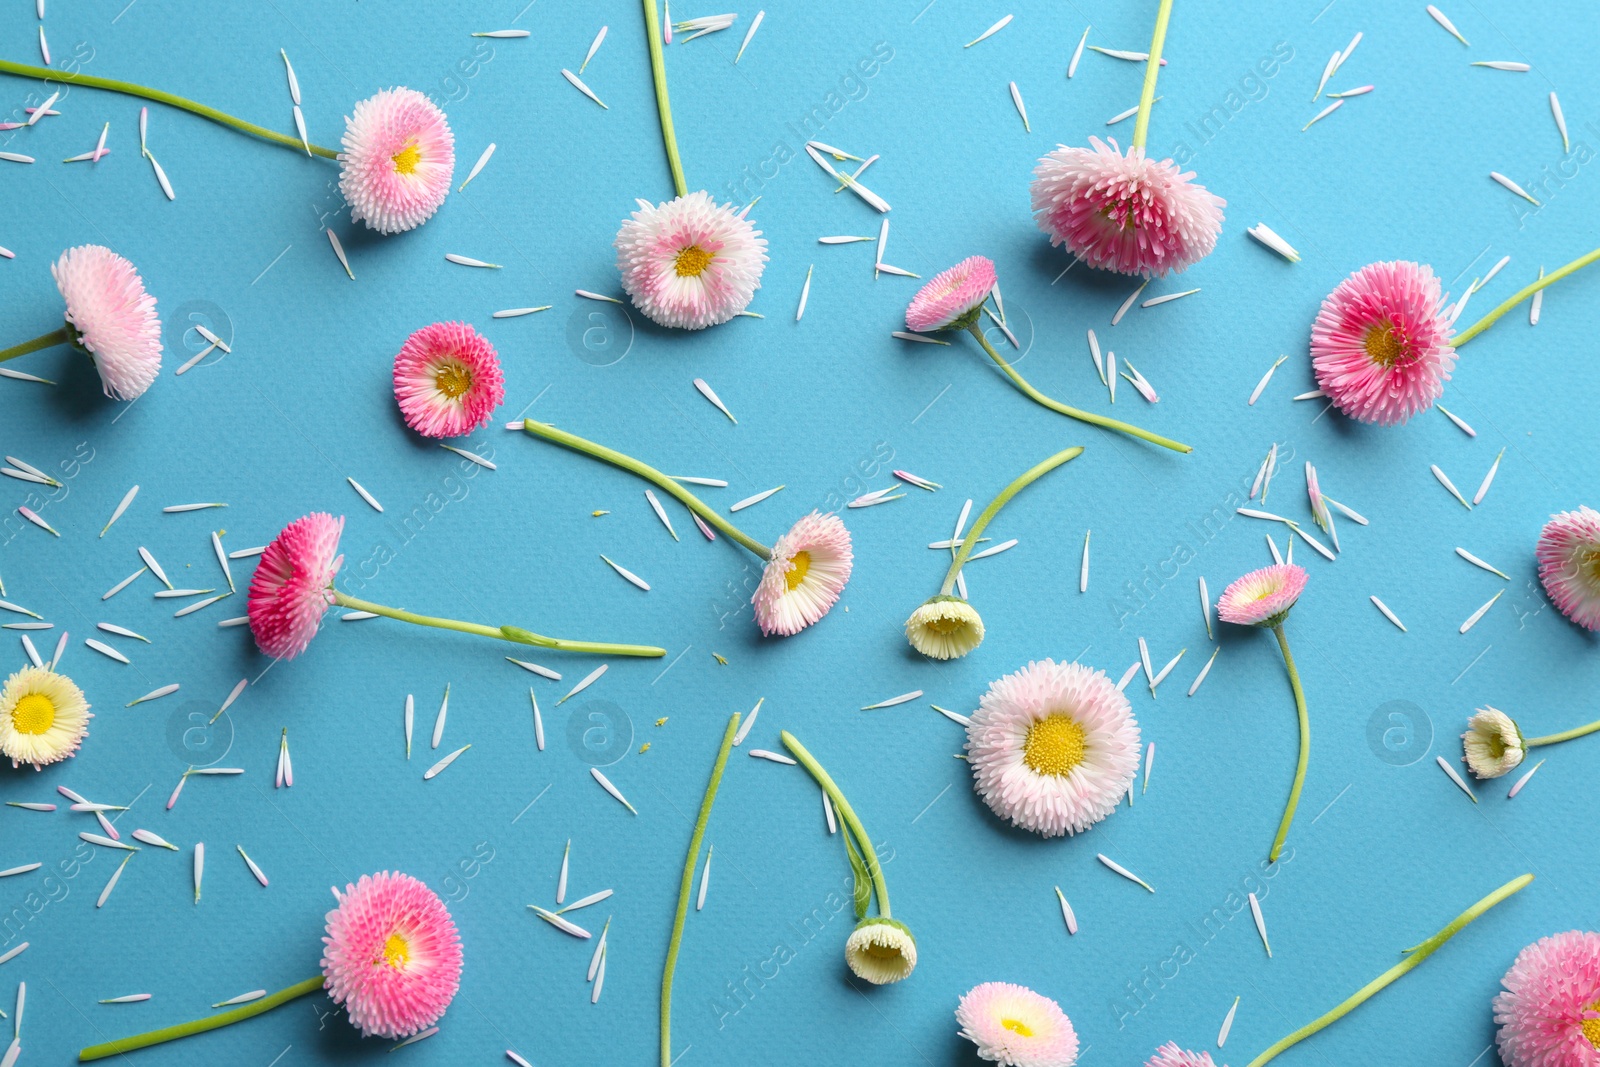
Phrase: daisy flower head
(945, 627)
(881, 951)
(1125, 213)
(952, 299)
(1492, 743)
(1549, 1011)
(113, 318)
(1053, 747)
(43, 717)
(1263, 597)
(392, 956)
(1170, 1055)
(397, 161)
(1380, 346)
(809, 568)
(1569, 565)
(1016, 1027)
(690, 263)
(447, 380)
(293, 584)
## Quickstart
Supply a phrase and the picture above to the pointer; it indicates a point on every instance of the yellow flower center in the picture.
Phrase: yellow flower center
(396, 951)
(692, 262)
(34, 714)
(1018, 1027)
(1591, 1027)
(453, 380)
(798, 568)
(882, 952)
(1589, 564)
(946, 625)
(406, 160)
(1383, 345)
(1054, 745)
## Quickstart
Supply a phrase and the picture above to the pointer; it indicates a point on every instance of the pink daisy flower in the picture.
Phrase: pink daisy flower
(447, 380)
(293, 584)
(1125, 213)
(1549, 1013)
(1014, 1026)
(1380, 346)
(114, 318)
(393, 957)
(690, 263)
(952, 299)
(809, 568)
(1170, 1055)
(397, 161)
(1263, 597)
(1569, 565)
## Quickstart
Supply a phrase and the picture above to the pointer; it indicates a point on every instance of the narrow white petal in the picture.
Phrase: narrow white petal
(1195, 685)
(1472, 620)
(1066, 912)
(711, 395)
(442, 764)
(1455, 777)
(588, 680)
(758, 498)
(750, 721)
(1113, 865)
(1391, 616)
(605, 783)
(892, 701)
(990, 32)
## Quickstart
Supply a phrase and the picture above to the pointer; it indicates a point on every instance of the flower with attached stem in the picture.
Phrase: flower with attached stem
(43, 717)
(946, 626)
(1494, 745)
(1569, 565)
(1549, 1009)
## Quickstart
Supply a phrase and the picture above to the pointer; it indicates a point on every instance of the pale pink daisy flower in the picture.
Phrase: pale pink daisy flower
(1170, 1055)
(809, 568)
(113, 317)
(1569, 565)
(393, 957)
(1125, 213)
(1053, 747)
(397, 161)
(952, 299)
(1381, 345)
(293, 584)
(690, 263)
(1263, 597)
(1016, 1027)
(447, 380)
(1549, 1013)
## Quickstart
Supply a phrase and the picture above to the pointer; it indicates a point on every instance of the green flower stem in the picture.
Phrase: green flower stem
(969, 540)
(686, 884)
(200, 1026)
(1147, 95)
(1416, 956)
(848, 814)
(1305, 745)
(1565, 735)
(49, 340)
(658, 71)
(649, 474)
(1071, 412)
(1519, 296)
(45, 73)
(503, 633)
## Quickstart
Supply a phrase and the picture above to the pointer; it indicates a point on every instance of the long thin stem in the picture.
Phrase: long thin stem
(1071, 412)
(1418, 954)
(658, 71)
(49, 340)
(686, 884)
(1147, 95)
(1565, 735)
(1519, 296)
(1305, 745)
(649, 474)
(191, 106)
(200, 1026)
(502, 633)
(848, 814)
(969, 540)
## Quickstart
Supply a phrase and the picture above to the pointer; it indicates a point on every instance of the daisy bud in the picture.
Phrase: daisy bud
(945, 627)
(1493, 743)
(881, 951)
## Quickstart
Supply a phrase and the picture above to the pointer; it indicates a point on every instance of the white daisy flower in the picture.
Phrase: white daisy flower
(43, 717)
(690, 263)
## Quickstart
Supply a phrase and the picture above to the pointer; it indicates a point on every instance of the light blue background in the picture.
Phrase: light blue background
(1386, 849)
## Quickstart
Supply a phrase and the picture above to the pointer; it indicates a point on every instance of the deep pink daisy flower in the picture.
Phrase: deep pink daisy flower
(809, 568)
(1016, 1027)
(114, 318)
(447, 380)
(1263, 597)
(393, 957)
(1125, 213)
(690, 263)
(1549, 1013)
(1170, 1055)
(397, 161)
(293, 584)
(1569, 565)
(1380, 347)
(952, 299)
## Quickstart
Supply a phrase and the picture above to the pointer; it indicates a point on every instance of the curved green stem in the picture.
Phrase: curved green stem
(1565, 735)
(49, 340)
(90, 81)
(969, 540)
(200, 1026)
(658, 71)
(1519, 296)
(1071, 412)
(1147, 95)
(502, 633)
(649, 474)
(1305, 745)
(686, 884)
(1420, 953)
(848, 814)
